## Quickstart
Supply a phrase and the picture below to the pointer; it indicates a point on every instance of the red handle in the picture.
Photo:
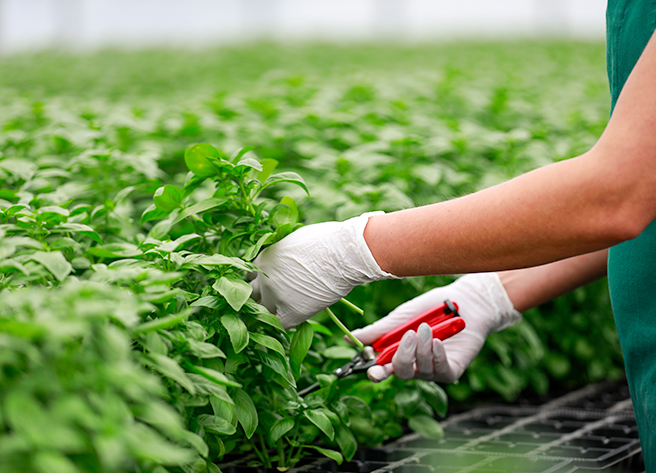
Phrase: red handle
(442, 331)
(432, 317)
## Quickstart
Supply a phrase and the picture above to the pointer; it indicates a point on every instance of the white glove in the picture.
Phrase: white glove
(313, 268)
(483, 304)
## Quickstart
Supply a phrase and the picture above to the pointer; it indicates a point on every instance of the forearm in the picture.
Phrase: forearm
(569, 208)
(546, 215)
(530, 287)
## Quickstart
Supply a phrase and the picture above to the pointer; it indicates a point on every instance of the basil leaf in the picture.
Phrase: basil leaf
(246, 412)
(268, 342)
(196, 159)
(237, 331)
(300, 344)
(426, 427)
(234, 289)
(167, 198)
(322, 421)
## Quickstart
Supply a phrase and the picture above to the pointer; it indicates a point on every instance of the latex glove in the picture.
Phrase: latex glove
(313, 268)
(483, 304)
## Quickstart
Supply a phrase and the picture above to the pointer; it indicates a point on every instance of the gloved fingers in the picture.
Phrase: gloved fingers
(424, 351)
(442, 369)
(379, 373)
(403, 361)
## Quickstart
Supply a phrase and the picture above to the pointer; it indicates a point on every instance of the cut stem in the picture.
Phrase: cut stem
(341, 326)
(352, 306)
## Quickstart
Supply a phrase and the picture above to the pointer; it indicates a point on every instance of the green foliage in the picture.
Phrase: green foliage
(129, 339)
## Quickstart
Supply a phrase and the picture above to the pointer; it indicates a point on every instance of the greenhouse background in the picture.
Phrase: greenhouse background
(84, 24)
(151, 149)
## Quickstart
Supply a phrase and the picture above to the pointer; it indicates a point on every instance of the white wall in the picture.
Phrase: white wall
(88, 24)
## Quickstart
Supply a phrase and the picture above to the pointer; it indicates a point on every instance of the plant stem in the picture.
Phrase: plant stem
(259, 454)
(281, 454)
(343, 328)
(265, 452)
(352, 306)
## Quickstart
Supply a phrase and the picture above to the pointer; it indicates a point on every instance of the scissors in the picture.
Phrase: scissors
(445, 322)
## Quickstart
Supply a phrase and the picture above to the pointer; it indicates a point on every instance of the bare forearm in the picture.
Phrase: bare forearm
(573, 207)
(531, 287)
(549, 214)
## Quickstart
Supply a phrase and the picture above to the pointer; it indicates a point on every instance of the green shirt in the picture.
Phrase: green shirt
(632, 264)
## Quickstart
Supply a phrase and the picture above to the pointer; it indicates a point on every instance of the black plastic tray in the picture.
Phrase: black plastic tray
(590, 429)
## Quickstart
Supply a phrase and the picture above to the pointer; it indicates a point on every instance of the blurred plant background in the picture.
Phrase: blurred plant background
(381, 124)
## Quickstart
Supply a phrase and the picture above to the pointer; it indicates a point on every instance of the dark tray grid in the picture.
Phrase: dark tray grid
(593, 428)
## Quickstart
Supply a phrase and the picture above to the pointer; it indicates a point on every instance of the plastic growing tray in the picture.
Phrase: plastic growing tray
(590, 429)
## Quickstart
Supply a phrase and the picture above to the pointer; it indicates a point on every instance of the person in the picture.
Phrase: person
(519, 243)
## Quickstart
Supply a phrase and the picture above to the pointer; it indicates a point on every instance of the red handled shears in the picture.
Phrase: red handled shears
(444, 320)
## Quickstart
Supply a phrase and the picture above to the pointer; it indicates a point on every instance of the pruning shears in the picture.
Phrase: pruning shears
(444, 320)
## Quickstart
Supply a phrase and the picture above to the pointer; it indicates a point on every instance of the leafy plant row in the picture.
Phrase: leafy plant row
(109, 241)
(92, 316)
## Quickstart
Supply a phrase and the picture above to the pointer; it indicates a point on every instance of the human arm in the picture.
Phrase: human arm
(488, 302)
(530, 287)
(573, 207)
(580, 205)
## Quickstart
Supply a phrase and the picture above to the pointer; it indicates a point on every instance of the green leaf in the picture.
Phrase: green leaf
(300, 344)
(434, 395)
(280, 428)
(171, 246)
(237, 155)
(287, 176)
(149, 445)
(53, 261)
(78, 228)
(339, 352)
(213, 375)
(346, 442)
(246, 412)
(278, 366)
(322, 421)
(53, 462)
(200, 207)
(234, 289)
(332, 454)
(171, 369)
(195, 441)
(320, 328)
(268, 165)
(268, 342)
(208, 262)
(205, 386)
(261, 314)
(205, 350)
(167, 198)
(285, 212)
(224, 409)
(163, 323)
(215, 424)
(196, 159)
(407, 401)
(426, 427)
(115, 250)
(252, 251)
(281, 232)
(237, 331)
(211, 302)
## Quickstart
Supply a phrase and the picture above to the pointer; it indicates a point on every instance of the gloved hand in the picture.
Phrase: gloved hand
(313, 268)
(483, 304)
